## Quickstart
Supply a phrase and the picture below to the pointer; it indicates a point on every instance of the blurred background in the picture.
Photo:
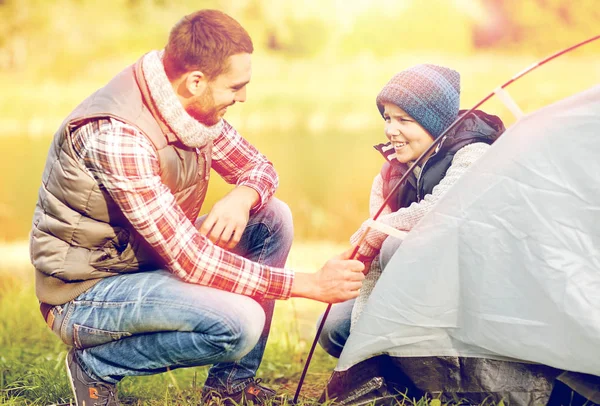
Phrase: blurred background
(317, 68)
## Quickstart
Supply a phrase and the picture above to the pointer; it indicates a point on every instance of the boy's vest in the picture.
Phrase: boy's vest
(477, 127)
(79, 234)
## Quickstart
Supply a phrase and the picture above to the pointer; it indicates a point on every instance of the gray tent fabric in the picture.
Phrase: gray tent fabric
(499, 285)
(454, 380)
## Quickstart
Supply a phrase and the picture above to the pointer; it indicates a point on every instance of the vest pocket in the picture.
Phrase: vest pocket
(86, 337)
(116, 254)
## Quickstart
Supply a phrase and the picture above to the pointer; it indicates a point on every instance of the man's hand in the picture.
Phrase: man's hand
(227, 220)
(337, 281)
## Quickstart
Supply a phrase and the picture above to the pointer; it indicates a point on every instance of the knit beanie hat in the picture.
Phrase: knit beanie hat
(428, 93)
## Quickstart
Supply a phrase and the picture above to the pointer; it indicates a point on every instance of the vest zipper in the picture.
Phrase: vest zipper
(206, 165)
(203, 154)
(437, 149)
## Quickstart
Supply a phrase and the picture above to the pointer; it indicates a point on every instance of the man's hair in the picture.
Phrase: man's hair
(203, 41)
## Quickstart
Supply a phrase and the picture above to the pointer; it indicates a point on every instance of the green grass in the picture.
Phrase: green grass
(32, 358)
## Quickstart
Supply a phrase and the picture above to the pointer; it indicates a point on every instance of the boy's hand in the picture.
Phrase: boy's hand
(365, 260)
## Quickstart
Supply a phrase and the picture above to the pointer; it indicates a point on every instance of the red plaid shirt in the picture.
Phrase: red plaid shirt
(125, 163)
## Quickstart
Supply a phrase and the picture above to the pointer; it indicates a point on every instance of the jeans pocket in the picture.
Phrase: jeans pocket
(60, 325)
(86, 337)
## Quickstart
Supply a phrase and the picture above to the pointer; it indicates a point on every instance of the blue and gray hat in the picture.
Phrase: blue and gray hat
(428, 93)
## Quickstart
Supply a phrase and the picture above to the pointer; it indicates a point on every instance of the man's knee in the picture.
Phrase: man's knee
(245, 328)
(278, 216)
(388, 249)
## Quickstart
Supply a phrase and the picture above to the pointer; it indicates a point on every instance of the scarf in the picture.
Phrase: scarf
(187, 129)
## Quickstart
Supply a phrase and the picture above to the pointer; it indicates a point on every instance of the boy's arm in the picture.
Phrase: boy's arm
(240, 163)
(366, 252)
(407, 217)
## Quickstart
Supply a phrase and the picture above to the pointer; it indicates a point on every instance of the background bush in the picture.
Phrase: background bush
(317, 68)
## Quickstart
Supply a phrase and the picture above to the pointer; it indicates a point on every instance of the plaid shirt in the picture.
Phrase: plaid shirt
(125, 163)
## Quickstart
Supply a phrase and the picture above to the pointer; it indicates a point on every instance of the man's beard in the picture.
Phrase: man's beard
(204, 109)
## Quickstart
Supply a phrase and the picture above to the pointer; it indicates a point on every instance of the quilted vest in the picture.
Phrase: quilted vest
(477, 127)
(79, 234)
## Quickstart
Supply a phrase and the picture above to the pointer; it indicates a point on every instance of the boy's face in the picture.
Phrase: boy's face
(407, 136)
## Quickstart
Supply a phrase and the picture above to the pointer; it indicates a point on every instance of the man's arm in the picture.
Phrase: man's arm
(125, 164)
(238, 162)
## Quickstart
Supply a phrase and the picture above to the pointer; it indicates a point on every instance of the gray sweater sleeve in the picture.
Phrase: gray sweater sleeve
(406, 218)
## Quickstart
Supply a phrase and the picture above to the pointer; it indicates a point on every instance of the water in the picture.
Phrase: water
(21, 169)
(325, 177)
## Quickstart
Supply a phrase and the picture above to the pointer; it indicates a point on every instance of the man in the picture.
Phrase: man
(123, 274)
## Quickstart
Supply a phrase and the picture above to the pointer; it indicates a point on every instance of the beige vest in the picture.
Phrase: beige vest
(79, 234)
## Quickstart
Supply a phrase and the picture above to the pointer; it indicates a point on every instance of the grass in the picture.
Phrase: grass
(32, 358)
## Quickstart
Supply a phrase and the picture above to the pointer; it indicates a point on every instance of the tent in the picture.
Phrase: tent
(496, 292)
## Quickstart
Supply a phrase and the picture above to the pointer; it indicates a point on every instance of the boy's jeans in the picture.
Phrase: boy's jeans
(147, 322)
(336, 329)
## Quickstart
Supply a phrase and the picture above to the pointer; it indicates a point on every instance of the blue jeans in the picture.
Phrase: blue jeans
(147, 322)
(336, 329)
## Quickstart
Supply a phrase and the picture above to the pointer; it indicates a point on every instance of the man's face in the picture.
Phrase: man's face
(223, 91)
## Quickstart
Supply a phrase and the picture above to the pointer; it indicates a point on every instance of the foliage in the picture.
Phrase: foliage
(314, 118)
(409, 29)
(48, 35)
(316, 71)
(529, 24)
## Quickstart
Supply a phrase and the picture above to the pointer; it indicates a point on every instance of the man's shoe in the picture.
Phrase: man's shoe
(87, 391)
(253, 393)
